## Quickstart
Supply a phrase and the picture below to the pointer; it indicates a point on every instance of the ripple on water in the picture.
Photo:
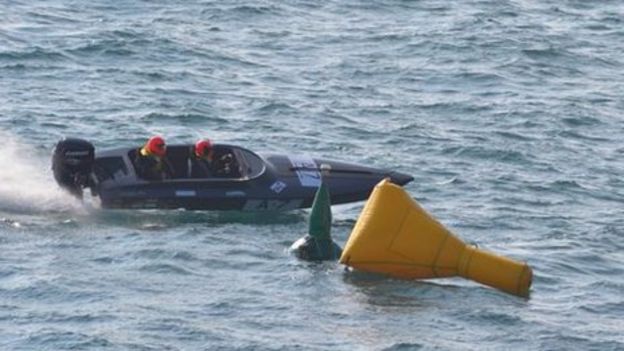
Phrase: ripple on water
(51, 292)
(489, 154)
(36, 54)
(164, 268)
(508, 115)
(60, 339)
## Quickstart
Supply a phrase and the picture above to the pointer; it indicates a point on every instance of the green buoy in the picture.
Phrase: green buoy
(318, 244)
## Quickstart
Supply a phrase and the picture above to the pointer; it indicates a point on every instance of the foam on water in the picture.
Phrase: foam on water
(26, 181)
(507, 113)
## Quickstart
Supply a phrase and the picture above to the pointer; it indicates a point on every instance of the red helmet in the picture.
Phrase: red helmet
(203, 148)
(156, 146)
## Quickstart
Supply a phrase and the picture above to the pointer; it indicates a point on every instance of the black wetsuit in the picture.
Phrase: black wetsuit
(152, 168)
(221, 167)
(200, 168)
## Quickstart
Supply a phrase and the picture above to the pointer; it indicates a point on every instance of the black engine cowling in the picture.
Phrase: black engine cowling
(72, 163)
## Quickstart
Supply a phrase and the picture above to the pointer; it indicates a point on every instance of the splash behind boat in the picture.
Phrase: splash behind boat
(249, 181)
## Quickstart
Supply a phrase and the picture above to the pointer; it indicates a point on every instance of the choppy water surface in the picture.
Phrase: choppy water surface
(509, 114)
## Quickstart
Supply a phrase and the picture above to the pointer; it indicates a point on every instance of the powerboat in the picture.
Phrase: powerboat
(246, 181)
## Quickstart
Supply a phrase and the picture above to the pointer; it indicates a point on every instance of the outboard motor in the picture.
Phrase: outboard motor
(72, 163)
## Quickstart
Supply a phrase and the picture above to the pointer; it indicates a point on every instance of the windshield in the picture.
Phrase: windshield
(253, 164)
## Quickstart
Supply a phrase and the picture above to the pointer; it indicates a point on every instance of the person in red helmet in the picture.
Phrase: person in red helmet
(151, 160)
(200, 163)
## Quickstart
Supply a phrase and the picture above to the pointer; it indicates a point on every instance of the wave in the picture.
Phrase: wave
(31, 54)
(158, 117)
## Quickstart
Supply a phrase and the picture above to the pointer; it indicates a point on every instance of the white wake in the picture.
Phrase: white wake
(26, 180)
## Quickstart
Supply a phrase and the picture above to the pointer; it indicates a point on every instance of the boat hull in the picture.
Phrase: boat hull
(262, 183)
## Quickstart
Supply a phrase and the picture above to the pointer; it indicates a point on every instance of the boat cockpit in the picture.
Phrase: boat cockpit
(229, 162)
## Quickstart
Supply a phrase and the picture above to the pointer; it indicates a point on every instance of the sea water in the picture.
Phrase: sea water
(509, 114)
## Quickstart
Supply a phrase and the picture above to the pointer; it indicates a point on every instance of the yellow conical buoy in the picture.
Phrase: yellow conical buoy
(395, 236)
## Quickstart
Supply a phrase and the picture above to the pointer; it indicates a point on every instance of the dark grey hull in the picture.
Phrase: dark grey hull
(272, 182)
